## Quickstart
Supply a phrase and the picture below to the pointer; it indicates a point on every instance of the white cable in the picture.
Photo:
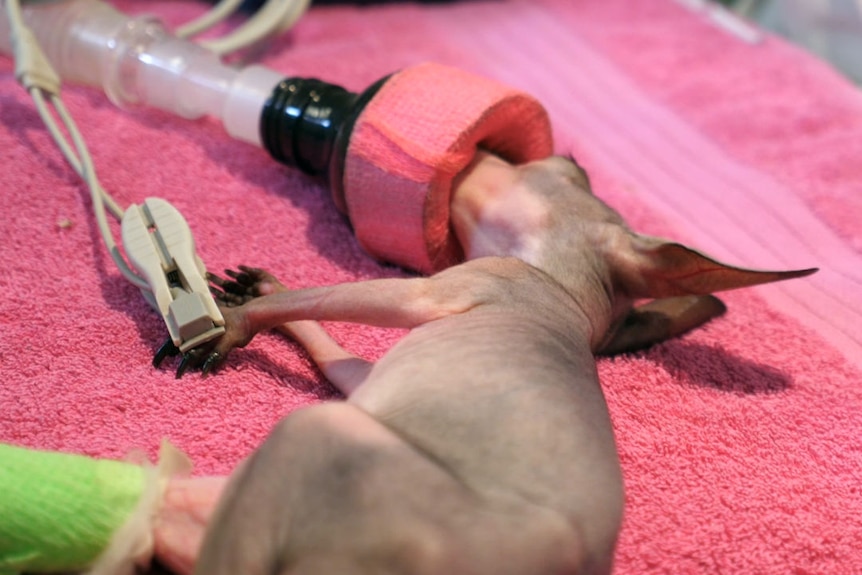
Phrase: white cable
(747, 8)
(83, 165)
(65, 148)
(38, 77)
(273, 17)
(218, 14)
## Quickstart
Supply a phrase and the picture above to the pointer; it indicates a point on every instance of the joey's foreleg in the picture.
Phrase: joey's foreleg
(343, 369)
(392, 302)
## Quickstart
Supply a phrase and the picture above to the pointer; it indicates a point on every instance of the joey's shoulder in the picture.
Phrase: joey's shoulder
(492, 269)
(495, 279)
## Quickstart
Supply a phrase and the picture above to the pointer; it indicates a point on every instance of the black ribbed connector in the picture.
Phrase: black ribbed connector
(306, 124)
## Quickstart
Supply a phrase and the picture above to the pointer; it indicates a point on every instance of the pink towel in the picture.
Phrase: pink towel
(740, 442)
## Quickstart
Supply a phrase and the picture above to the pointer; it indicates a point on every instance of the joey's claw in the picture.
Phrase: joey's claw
(240, 282)
(185, 362)
(212, 362)
(190, 360)
(193, 358)
(224, 293)
(219, 281)
(240, 286)
(245, 275)
(167, 349)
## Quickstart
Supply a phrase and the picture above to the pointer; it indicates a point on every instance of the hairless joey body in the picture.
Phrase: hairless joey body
(481, 442)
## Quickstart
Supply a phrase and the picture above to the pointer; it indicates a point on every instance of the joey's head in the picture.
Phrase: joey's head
(545, 213)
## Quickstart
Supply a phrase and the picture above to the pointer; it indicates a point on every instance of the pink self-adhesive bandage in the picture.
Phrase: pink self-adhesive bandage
(413, 138)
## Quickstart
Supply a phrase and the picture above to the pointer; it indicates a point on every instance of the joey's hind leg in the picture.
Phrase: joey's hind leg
(343, 369)
(182, 518)
(659, 320)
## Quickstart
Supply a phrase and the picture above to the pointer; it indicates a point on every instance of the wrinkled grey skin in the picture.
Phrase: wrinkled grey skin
(481, 442)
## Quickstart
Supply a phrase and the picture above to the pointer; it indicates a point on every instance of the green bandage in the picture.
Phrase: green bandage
(59, 512)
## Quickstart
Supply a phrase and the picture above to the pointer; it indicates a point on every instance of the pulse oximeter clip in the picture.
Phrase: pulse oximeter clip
(160, 247)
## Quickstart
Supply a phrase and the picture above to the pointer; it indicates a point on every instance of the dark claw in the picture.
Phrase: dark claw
(242, 277)
(215, 279)
(221, 282)
(212, 361)
(167, 349)
(191, 359)
(219, 295)
(229, 299)
(231, 287)
(239, 287)
(185, 362)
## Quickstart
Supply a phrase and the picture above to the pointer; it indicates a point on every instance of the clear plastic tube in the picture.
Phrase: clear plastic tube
(136, 60)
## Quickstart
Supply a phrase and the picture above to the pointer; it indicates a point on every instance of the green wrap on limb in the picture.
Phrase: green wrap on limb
(59, 512)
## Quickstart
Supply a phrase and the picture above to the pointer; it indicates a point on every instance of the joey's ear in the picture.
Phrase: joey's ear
(653, 268)
(659, 320)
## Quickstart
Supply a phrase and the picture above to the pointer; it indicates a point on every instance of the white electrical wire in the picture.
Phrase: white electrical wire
(218, 14)
(271, 18)
(39, 79)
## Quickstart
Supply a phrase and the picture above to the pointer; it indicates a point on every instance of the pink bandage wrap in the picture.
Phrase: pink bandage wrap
(413, 138)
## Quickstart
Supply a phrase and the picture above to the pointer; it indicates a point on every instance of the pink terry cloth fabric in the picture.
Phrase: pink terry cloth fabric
(740, 442)
(418, 132)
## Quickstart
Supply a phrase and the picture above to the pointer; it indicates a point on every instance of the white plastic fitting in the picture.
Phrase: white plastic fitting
(136, 60)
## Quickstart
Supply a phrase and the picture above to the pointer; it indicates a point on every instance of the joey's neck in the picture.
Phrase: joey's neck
(493, 215)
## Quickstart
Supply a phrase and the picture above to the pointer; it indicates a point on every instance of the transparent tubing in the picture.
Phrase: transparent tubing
(136, 60)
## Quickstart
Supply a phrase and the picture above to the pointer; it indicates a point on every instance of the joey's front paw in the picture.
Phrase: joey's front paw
(204, 357)
(231, 294)
(244, 285)
(210, 355)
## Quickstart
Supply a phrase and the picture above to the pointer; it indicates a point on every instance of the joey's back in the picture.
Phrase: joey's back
(522, 356)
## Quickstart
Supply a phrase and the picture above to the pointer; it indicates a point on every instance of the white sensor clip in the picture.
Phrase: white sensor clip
(159, 244)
